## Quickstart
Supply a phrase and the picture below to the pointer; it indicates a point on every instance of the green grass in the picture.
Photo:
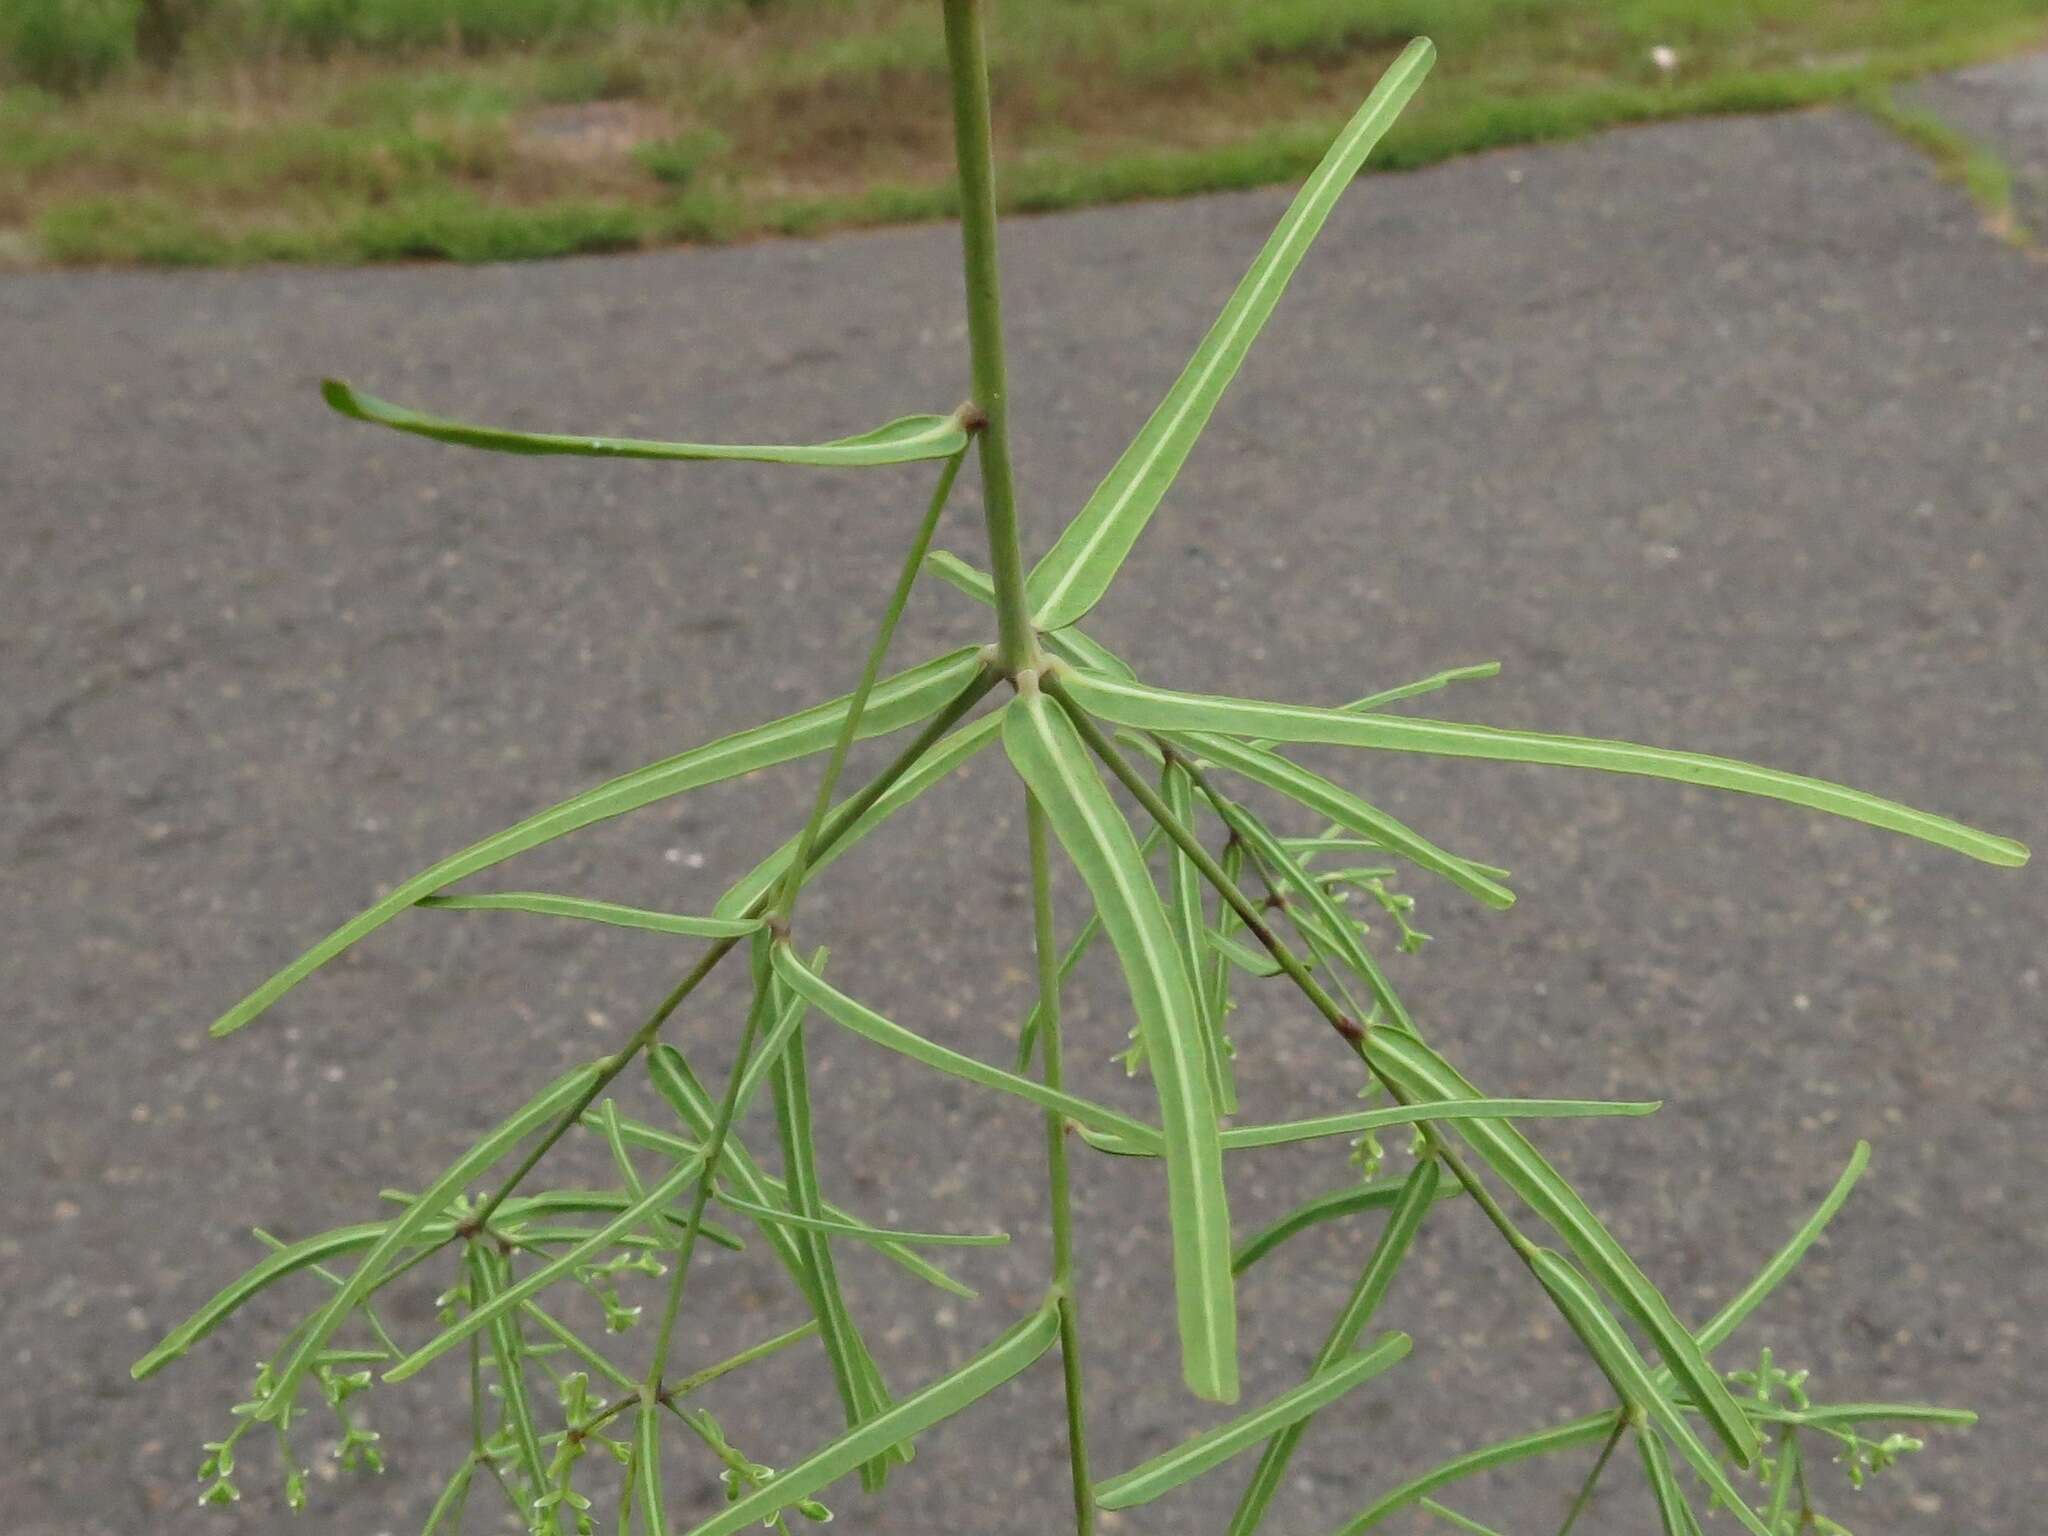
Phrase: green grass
(366, 130)
(1958, 158)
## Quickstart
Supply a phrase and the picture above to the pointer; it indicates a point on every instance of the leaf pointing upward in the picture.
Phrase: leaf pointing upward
(1080, 566)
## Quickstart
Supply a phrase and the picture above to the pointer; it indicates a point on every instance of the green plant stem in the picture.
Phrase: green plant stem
(1347, 1027)
(967, 56)
(714, 1148)
(1048, 1017)
(835, 827)
(1585, 1498)
(899, 599)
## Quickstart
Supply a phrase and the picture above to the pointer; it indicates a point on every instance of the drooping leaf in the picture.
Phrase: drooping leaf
(433, 1202)
(905, 440)
(1005, 1358)
(1081, 564)
(1617, 1358)
(1418, 1194)
(1136, 704)
(1048, 755)
(1420, 1073)
(896, 702)
(1191, 1458)
(588, 911)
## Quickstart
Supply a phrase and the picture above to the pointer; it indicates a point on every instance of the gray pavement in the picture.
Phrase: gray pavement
(1727, 435)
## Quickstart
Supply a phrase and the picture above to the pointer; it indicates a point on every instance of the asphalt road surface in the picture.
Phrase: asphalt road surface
(1726, 435)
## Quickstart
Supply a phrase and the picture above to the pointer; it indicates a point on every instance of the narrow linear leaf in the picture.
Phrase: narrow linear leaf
(1345, 808)
(285, 1261)
(1618, 1360)
(674, 1080)
(870, 1025)
(961, 576)
(1420, 1073)
(1049, 757)
(1782, 1263)
(1473, 673)
(1871, 1413)
(508, 1350)
(745, 1357)
(1081, 564)
(1150, 708)
(1192, 1458)
(647, 1469)
(1501, 1453)
(1790, 1471)
(800, 1171)
(1185, 916)
(597, 912)
(1069, 643)
(453, 1496)
(932, 768)
(1255, 962)
(1418, 1194)
(538, 1111)
(867, 1234)
(897, 701)
(905, 440)
(1671, 1506)
(1374, 1195)
(1283, 1132)
(1593, 1427)
(1005, 1358)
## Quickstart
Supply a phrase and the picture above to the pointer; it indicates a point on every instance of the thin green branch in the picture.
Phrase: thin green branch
(967, 55)
(714, 1150)
(849, 729)
(835, 827)
(1585, 1499)
(1048, 1019)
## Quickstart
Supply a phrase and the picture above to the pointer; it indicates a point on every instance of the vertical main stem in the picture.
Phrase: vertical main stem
(1056, 1165)
(967, 57)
